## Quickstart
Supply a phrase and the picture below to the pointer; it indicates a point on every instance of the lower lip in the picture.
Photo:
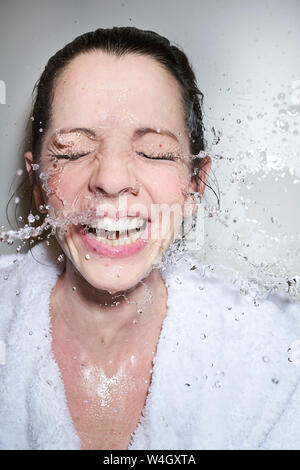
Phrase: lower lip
(115, 251)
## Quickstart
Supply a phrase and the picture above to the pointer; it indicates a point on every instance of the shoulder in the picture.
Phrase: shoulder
(206, 289)
(235, 356)
(10, 281)
(21, 277)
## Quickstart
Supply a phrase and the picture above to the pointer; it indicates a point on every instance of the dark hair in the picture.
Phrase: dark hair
(117, 41)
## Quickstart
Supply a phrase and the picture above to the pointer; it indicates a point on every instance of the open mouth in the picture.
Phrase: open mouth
(116, 233)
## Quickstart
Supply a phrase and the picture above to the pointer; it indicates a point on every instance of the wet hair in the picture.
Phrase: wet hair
(116, 41)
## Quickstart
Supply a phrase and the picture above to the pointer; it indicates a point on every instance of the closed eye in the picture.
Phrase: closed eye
(70, 156)
(165, 156)
(74, 156)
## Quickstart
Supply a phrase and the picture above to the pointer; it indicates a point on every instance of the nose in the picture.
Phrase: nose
(112, 176)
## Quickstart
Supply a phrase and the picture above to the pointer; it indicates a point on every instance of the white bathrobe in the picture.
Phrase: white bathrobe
(221, 375)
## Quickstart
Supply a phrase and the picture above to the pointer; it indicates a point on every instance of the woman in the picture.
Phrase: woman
(114, 349)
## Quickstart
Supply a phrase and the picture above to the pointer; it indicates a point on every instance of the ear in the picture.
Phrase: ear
(199, 180)
(37, 190)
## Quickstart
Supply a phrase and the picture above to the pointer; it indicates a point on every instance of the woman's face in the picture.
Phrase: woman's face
(114, 166)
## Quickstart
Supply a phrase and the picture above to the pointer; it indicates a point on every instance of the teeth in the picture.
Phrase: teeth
(123, 224)
(125, 240)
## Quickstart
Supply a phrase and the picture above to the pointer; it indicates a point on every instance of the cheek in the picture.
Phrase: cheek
(166, 184)
(66, 186)
(62, 186)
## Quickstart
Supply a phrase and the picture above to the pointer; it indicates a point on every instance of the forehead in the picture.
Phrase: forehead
(98, 89)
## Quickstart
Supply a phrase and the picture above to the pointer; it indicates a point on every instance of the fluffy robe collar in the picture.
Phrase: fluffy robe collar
(221, 376)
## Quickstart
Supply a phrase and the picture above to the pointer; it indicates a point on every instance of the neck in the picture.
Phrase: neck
(88, 313)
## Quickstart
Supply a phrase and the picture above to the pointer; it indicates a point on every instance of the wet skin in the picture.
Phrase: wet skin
(103, 346)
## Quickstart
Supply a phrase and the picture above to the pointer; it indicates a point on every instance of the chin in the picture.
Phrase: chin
(113, 274)
(110, 281)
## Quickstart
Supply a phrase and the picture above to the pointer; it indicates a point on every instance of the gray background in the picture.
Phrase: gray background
(244, 54)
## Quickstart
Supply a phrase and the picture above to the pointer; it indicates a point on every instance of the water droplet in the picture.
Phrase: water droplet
(5, 277)
(275, 380)
(75, 357)
(266, 359)
(218, 384)
(74, 288)
(238, 121)
(139, 311)
(20, 172)
(31, 218)
(293, 110)
(203, 336)
(282, 125)
(87, 256)
(30, 333)
(41, 129)
(294, 352)
(17, 292)
(60, 258)
(17, 200)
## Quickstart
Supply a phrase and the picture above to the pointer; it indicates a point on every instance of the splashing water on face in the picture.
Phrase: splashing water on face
(244, 171)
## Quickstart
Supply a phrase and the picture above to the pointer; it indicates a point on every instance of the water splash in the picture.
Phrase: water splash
(241, 174)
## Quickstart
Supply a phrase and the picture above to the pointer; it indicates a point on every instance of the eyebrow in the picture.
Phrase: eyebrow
(140, 132)
(76, 129)
(148, 130)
